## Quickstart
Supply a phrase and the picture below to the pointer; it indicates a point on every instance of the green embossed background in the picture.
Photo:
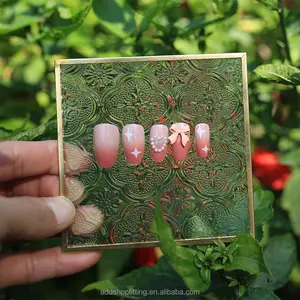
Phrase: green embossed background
(200, 197)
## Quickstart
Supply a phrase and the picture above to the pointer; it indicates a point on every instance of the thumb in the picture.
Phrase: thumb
(29, 218)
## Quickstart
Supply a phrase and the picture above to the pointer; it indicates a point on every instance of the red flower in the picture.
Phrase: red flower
(268, 170)
(145, 256)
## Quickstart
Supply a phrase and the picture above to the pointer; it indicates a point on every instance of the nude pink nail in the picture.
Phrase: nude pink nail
(134, 143)
(202, 134)
(106, 144)
(158, 142)
(180, 140)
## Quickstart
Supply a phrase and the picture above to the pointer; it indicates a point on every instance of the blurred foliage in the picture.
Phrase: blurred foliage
(33, 33)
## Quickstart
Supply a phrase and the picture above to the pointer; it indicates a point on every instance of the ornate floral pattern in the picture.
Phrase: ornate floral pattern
(200, 197)
(99, 75)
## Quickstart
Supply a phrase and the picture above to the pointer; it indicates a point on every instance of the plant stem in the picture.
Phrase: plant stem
(284, 33)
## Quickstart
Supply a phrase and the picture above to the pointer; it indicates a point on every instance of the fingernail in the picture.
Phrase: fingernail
(62, 208)
(134, 143)
(158, 142)
(74, 190)
(76, 160)
(106, 144)
(88, 220)
(180, 140)
(202, 134)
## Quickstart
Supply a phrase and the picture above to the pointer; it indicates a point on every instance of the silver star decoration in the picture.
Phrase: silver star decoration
(136, 152)
(200, 131)
(205, 149)
(129, 135)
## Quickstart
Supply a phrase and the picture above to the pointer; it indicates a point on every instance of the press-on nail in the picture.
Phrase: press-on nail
(106, 144)
(134, 143)
(158, 142)
(180, 140)
(202, 134)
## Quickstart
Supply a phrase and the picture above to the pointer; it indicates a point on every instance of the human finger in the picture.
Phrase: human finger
(25, 268)
(25, 159)
(30, 218)
(44, 186)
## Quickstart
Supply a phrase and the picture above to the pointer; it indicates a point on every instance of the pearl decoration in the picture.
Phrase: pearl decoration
(158, 140)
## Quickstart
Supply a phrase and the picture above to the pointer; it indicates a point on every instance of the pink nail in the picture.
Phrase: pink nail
(106, 144)
(134, 143)
(202, 139)
(158, 142)
(180, 140)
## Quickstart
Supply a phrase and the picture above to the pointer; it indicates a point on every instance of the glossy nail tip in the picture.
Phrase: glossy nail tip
(106, 144)
(180, 140)
(158, 142)
(134, 143)
(202, 135)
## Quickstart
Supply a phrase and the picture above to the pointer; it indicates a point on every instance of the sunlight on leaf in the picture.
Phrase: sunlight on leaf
(280, 73)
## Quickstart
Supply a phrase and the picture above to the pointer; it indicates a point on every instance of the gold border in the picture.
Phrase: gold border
(60, 133)
(243, 56)
(248, 145)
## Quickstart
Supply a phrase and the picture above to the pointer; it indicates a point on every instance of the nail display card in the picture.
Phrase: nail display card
(138, 130)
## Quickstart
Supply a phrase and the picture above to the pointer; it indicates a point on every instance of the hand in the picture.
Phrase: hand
(31, 210)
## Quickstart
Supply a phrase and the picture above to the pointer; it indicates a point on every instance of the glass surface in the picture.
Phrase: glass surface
(200, 197)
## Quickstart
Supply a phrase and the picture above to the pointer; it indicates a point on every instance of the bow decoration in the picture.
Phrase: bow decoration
(180, 129)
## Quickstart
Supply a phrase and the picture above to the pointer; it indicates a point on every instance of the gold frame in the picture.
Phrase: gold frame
(243, 57)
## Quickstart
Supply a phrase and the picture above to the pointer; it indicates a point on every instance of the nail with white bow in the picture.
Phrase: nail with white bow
(180, 140)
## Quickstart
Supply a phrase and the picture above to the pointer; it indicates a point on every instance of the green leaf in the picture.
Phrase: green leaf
(291, 159)
(263, 210)
(280, 256)
(46, 131)
(231, 248)
(58, 27)
(242, 290)
(19, 22)
(284, 74)
(291, 198)
(214, 256)
(273, 4)
(217, 267)
(197, 24)
(35, 70)
(112, 263)
(205, 274)
(259, 294)
(161, 275)
(201, 256)
(233, 283)
(151, 13)
(116, 16)
(179, 257)
(248, 256)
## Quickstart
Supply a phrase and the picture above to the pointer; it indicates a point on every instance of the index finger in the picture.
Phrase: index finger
(25, 159)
